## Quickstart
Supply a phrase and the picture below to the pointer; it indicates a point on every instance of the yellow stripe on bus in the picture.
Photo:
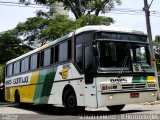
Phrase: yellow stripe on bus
(30, 89)
(150, 79)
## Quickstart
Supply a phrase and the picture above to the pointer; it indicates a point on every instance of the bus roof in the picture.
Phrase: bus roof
(80, 30)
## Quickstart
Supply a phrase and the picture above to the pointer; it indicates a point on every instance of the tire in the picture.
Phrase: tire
(70, 102)
(115, 108)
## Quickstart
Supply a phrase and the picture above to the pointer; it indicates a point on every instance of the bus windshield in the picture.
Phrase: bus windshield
(115, 55)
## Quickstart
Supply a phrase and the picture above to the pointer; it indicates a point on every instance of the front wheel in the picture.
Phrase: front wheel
(115, 108)
(70, 102)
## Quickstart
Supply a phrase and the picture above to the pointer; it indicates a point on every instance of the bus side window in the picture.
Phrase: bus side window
(47, 57)
(79, 41)
(26, 66)
(79, 56)
(42, 58)
(33, 63)
(88, 64)
(22, 65)
(52, 59)
(69, 49)
(9, 70)
(56, 53)
(16, 67)
(63, 52)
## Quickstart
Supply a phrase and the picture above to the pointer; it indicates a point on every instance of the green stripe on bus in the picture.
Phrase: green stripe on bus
(48, 83)
(139, 79)
(39, 87)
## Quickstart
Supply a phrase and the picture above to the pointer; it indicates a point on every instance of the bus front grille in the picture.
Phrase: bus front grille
(131, 86)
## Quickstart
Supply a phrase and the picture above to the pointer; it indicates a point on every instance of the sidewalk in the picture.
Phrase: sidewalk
(3, 103)
(152, 103)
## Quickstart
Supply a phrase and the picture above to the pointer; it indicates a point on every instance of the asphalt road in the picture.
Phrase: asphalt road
(33, 112)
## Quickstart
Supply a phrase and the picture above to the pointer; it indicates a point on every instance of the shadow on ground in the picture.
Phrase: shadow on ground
(51, 110)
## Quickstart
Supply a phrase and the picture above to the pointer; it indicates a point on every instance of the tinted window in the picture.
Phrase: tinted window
(84, 37)
(63, 52)
(79, 57)
(16, 67)
(9, 69)
(69, 49)
(88, 58)
(52, 55)
(26, 60)
(22, 65)
(47, 57)
(42, 58)
(121, 36)
(56, 53)
(33, 64)
(88, 64)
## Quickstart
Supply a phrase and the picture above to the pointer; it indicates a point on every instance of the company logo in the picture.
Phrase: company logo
(64, 72)
(118, 80)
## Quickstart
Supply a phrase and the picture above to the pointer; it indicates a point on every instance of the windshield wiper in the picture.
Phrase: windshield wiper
(123, 66)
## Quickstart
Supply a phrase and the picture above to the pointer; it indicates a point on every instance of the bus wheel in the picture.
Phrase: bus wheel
(115, 108)
(70, 102)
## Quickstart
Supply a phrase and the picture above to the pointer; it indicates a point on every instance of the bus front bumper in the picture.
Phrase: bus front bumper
(119, 97)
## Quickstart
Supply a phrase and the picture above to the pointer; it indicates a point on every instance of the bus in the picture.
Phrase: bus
(93, 66)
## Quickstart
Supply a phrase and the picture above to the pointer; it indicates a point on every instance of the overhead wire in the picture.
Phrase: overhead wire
(128, 11)
(16, 4)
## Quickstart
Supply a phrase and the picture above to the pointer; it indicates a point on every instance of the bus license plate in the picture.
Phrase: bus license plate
(134, 95)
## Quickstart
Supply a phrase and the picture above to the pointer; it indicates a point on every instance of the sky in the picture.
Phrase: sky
(10, 16)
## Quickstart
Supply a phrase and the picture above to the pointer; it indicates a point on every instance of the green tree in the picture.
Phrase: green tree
(93, 20)
(157, 39)
(30, 30)
(82, 7)
(41, 29)
(2, 71)
(10, 47)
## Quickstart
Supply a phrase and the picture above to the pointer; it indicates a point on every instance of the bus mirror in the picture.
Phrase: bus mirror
(95, 51)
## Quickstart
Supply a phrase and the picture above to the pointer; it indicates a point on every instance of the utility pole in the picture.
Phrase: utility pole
(148, 25)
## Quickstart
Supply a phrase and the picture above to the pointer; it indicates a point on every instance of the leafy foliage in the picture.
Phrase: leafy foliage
(1, 73)
(10, 47)
(82, 7)
(157, 39)
(93, 20)
(39, 30)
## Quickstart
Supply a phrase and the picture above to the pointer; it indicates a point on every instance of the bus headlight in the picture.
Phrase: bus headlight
(108, 87)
